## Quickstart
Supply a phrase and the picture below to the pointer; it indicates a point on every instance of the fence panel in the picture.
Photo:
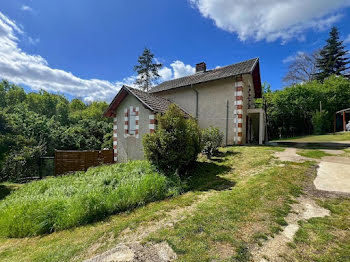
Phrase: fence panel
(70, 161)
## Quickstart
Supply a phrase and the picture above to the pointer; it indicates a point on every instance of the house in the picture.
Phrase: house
(222, 97)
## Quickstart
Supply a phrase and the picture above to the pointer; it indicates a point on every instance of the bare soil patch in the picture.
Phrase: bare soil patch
(131, 248)
(273, 248)
(132, 252)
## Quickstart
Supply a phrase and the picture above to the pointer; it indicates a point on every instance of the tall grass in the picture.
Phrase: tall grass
(54, 204)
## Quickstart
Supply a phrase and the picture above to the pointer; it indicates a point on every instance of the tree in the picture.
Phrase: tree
(302, 69)
(291, 111)
(147, 70)
(332, 60)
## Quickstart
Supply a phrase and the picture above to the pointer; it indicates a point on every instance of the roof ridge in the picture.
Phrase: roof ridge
(242, 67)
(222, 67)
(214, 69)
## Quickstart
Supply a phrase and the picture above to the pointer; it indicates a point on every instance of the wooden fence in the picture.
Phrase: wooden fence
(70, 161)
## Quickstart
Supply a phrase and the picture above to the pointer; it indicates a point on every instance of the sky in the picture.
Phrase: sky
(87, 48)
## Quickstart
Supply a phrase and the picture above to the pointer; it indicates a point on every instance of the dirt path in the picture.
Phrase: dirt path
(130, 247)
(305, 209)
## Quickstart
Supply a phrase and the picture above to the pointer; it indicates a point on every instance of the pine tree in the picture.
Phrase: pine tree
(332, 58)
(147, 70)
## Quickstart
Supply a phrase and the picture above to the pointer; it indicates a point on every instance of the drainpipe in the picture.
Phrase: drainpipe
(196, 100)
(227, 110)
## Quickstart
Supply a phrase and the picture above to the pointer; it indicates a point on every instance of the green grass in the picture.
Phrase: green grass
(346, 152)
(6, 189)
(325, 239)
(312, 153)
(244, 196)
(59, 203)
(337, 137)
(233, 166)
(238, 218)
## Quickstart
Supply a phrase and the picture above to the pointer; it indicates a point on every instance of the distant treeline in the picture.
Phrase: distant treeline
(33, 125)
(295, 110)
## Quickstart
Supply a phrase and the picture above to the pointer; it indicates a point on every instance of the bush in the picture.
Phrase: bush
(22, 164)
(58, 203)
(320, 122)
(176, 142)
(211, 140)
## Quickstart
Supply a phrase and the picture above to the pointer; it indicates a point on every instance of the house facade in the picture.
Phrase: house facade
(223, 98)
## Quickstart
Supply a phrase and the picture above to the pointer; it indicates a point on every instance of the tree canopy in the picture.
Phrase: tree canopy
(33, 125)
(291, 111)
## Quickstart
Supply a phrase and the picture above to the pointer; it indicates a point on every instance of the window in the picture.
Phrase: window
(132, 123)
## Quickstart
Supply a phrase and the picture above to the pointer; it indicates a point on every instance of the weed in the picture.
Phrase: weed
(54, 204)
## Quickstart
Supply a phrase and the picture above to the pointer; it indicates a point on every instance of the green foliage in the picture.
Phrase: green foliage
(176, 142)
(333, 60)
(290, 110)
(211, 140)
(147, 70)
(54, 204)
(26, 120)
(22, 164)
(320, 122)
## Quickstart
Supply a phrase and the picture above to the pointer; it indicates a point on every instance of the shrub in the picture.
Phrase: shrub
(22, 164)
(58, 203)
(176, 142)
(211, 139)
(320, 122)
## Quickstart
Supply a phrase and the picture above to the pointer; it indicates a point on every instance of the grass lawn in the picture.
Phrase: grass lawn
(313, 153)
(242, 197)
(337, 137)
(327, 238)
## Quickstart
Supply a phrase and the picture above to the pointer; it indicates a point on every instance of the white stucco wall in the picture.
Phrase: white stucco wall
(130, 147)
(213, 98)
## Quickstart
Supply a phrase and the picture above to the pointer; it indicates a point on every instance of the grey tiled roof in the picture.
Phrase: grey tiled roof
(210, 75)
(155, 103)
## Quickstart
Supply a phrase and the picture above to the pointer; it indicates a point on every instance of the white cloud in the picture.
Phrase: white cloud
(180, 69)
(35, 72)
(26, 8)
(33, 41)
(293, 57)
(165, 73)
(271, 19)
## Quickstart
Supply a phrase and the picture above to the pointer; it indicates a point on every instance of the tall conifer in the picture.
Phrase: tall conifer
(147, 70)
(332, 60)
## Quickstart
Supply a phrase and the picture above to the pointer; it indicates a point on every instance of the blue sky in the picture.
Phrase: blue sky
(87, 48)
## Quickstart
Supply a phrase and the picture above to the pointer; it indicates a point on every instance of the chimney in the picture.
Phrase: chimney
(201, 67)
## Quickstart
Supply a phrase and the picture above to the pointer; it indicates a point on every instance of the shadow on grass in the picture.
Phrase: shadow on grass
(312, 145)
(4, 191)
(207, 176)
(221, 156)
